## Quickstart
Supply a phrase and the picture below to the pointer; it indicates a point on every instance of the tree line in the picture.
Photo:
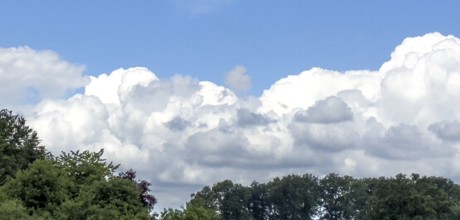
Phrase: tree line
(34, 184)
(331, 197)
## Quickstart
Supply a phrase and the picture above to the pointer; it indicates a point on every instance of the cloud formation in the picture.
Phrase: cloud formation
(27, 75)
(329, 110)
(446, 130)
(237, 79)
(182, 133)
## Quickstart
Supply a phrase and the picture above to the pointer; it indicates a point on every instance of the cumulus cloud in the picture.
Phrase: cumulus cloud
(406, 142)
(27, 75)
(237, 79)
(247, 118)
(446, 130)
(182, 133)
(315, 84)
(111, 88)
(178, 124)
(329, 110)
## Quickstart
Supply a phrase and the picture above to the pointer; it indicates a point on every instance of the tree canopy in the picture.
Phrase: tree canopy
(35, 184)
(331, 197)
(19, 145)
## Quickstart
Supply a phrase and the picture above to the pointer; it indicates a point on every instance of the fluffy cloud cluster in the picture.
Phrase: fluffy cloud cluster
(28, 76)
(182, 133)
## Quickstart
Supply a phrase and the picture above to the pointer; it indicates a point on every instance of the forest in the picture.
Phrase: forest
(35, 184)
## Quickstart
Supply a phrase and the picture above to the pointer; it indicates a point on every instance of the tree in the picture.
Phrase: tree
(233, 199)
(293, 197)
(230, 200)
(98, 192)
(147, 199)
(120, 196)
(332, 197)
(336, 197)
(43, 187)
(19, 145)
(258, 203)
(85, 167)
(412, 198)
(79, 186)
(172, 214)
(75, 185)
(195, 210)
(12, 210)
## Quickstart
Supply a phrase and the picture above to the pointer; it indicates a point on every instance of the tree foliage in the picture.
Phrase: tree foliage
(331, 197)
(77, 185)
(85, 167)
(19, 145)
(196, 210)
(337, 199)
(41, 188)
(147, 199)
(12, 209)
(414, 198)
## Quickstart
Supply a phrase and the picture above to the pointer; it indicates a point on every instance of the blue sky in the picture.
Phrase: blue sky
(207, 38)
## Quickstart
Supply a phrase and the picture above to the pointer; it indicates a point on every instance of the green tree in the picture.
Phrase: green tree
(172, 214)
(411, 198)
(230, 200)
(336, 197)
(97, 193)
(43, 187)
(293, 197)
(195, 210)
(19, 145)
(12, 210)
(332, 197)
(208, 197)
(233, 199)
(147, 199)
(258, 203)
(85, 167)
(75, 185)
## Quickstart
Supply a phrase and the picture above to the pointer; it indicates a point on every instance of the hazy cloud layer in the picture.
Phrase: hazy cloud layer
(182, 133)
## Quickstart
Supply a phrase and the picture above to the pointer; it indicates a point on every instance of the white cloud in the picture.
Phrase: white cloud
(237, 79)
(109, 88)
(27, 75)
(303, 90)
(182, 133)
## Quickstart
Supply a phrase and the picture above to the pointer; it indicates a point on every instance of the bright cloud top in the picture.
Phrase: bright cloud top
(182, 133)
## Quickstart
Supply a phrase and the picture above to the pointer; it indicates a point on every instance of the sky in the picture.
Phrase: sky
(191, 92)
